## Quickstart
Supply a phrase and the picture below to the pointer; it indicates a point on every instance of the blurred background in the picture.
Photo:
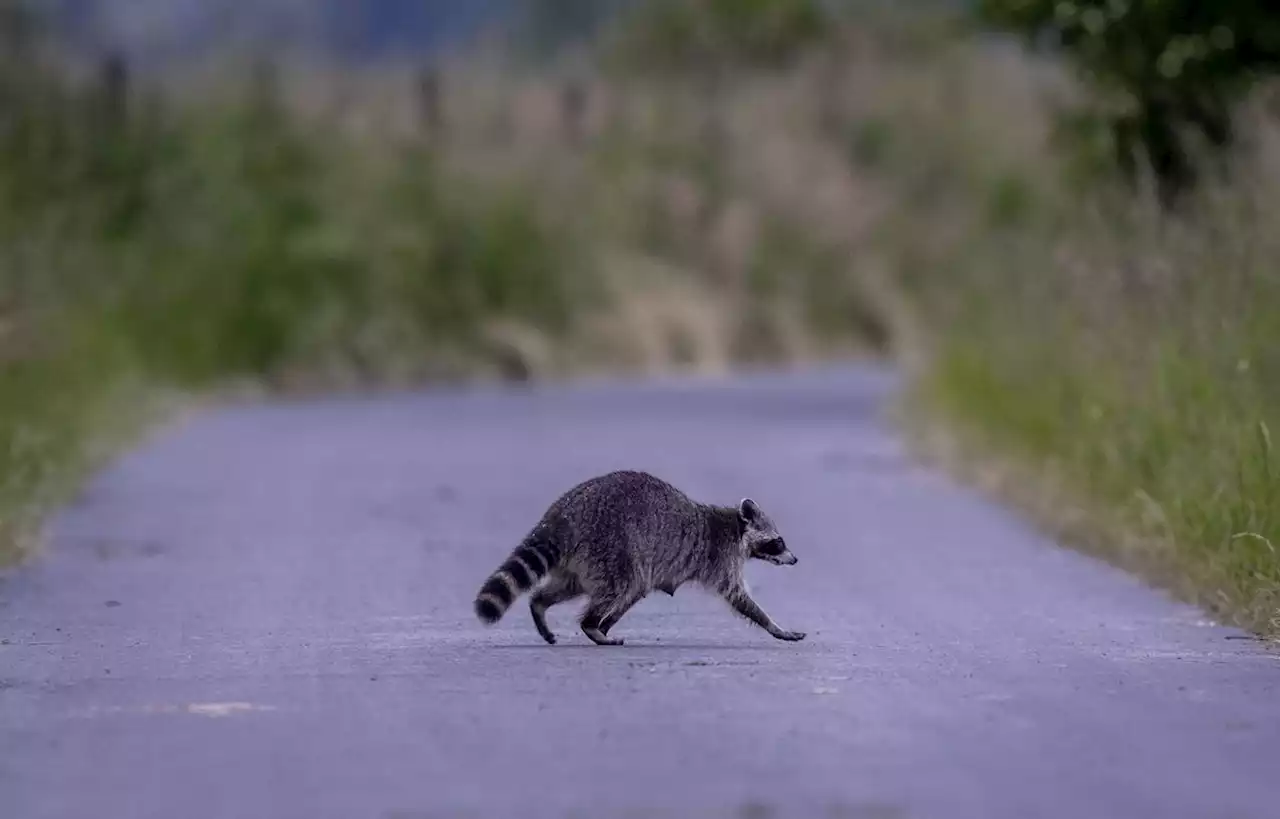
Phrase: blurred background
(1059, 217)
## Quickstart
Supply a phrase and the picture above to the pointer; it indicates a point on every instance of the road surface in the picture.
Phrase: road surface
(266, 612)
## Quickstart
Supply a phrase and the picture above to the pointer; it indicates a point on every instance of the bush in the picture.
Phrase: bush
(1168, 71)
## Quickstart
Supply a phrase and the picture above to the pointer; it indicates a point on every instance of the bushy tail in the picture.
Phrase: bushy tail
(528, 563)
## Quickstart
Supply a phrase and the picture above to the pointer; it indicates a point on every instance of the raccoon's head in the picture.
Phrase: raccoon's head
(760, 537)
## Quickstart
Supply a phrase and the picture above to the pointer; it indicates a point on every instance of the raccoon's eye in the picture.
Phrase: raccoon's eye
(773, 546)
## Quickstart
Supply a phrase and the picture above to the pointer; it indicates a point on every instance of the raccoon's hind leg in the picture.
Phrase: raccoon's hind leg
(559, 588)
(603, 613)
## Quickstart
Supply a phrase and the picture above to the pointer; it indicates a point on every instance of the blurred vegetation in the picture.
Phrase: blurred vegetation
(699, 34)
(1166, 74)
(156, 240)
(1106, 362)
(149, 244)
(548, 27)
(890, 183)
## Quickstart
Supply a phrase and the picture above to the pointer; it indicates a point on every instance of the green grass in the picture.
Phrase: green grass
(1184, 475)
(61, 411)
(1153, 407)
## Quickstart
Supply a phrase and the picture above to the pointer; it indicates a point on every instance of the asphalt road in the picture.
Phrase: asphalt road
(266, 612)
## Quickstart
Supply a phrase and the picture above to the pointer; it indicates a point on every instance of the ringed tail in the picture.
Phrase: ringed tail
(528, 564)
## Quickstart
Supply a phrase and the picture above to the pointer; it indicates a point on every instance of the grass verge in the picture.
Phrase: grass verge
(63, 411)
(1109, 368)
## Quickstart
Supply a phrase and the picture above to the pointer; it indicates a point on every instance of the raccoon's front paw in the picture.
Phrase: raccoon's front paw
(790, 636)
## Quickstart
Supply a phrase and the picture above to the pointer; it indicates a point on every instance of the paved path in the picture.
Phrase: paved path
(266, 612)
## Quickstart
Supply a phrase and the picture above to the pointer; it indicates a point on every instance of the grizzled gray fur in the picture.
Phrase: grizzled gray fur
(617, 537)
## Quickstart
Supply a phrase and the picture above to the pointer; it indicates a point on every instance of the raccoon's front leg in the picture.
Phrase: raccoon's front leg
(744, 605)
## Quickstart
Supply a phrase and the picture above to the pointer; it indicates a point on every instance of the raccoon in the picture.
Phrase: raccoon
(617, 537)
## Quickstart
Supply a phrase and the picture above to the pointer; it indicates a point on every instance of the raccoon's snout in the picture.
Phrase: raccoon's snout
(783, 558)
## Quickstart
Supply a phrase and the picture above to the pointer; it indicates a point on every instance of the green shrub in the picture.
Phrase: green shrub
(1167, 71)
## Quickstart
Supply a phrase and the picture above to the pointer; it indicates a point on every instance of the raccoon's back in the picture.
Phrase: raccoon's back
(616, 498)
(623, 511)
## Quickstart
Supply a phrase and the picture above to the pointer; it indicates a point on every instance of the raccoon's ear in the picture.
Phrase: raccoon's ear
(748, 510)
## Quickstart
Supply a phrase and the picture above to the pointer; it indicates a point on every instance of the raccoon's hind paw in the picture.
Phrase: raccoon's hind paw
(790, 636)
(599, 639)
(544, 632)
